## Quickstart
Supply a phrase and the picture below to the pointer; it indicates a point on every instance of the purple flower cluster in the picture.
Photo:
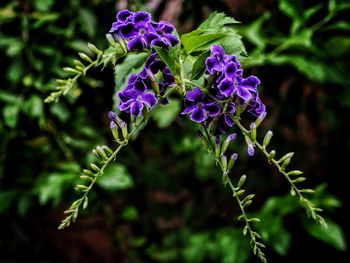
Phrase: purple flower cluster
(140, 93)
(141, 32)
(228, 86)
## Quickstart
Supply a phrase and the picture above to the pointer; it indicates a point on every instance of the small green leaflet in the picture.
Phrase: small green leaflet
(217, 20)
(199, 65)
(170, 58)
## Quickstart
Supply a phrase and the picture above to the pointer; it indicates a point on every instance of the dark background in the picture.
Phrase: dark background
(171, 206)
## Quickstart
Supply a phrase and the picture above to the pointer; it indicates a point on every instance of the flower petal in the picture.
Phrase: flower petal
(198, 115)
(136, 43)
(188, 109)
(212, 108)
(195, 95)
(136, 108)
(149, 99)
(226, 87)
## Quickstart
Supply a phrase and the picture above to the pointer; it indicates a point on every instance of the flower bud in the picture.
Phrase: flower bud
(217, 146)
(253, 131)
(114, 129)
(226, 143)
(223, 160)
(260, 119)
(111, 40)
(232, 160)
(267, 138)
(250, 149)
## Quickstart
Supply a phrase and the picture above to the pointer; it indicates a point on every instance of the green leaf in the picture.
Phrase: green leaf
(216, 20)
(6, 199)
(337, 46)
(88, 21)
(199, 65)
(273, 230)
(34, 107)
(333, 235)
(111, 55)
(115, 177)
(170, 59)
(312, 69)
(50, 187)
(129, 213)
(293, 10)
(198, 40)
(164, 115)
(8, 97)
(123, 70)
(43, 5)
(10, 114)
(254, 31)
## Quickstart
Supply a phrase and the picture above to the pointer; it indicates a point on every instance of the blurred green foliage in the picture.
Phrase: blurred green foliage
(163, 201)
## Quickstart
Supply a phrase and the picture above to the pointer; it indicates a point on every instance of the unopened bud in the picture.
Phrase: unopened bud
(253, 131)
(267, 138)
(260, 119)
(114, 129)
(232, 161)
(111, 40)
(223, 160)
(217, 146)
(226, 143)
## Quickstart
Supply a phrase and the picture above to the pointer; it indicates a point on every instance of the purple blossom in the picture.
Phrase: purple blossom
(140, 92)
(134, 101)
(228, 86)
(199, 106)
(138, 29)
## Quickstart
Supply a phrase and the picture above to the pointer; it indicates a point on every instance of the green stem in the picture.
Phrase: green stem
(253, 235)
(74, 209)
(310, 207)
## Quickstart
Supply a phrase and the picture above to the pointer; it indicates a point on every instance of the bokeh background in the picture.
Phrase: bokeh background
(163, 201)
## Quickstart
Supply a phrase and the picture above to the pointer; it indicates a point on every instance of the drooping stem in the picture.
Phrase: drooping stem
(237, 192)
(311, 209)
(75, 207)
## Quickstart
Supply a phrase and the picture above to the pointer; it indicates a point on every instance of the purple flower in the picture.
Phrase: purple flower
(141, 32)
(134, 101)
(165, 37)
(199, 106)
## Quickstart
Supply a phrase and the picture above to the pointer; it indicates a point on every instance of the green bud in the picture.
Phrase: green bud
(307, 191)
(223, 160)
(299, 180)
(101, 153)
(71, 70)
(241, 181)
(260, 119)
(247, 203)
(85, 204)
(88, 172)
(239, 193)
(78, 63)
(294, 173)
(286, 163)
(86, 178)
(95, 167)
(124, 128)
(85, 57)
(227, 142)
(93, 48)
(114, 129)
(272, 155)
(232, 161)
(253, 131)
(285, 157)
(111, 40)
(267, 138)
